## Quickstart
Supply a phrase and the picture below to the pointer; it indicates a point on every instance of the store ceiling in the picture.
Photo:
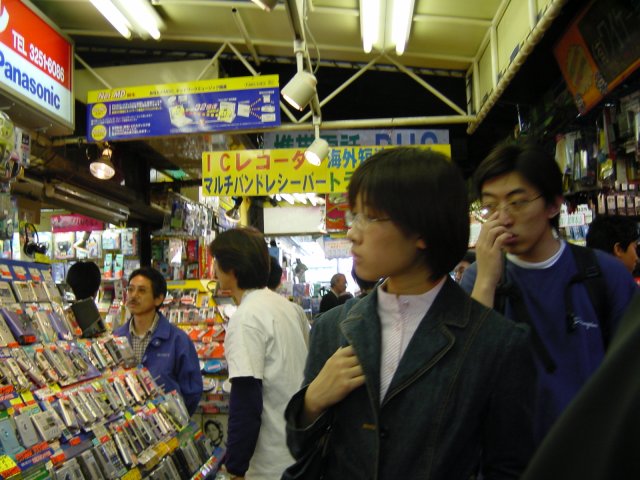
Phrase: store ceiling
(446, 37)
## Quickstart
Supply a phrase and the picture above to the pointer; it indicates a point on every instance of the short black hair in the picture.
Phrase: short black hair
(365, 285)
(335, 278)
(243, 251)
(275, 273)
(424, 193)
(84, 279)
(158, 282)
(531, 161)
(605, 231)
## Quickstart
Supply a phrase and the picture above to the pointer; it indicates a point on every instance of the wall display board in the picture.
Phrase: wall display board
(270, 172)
(239, 103)
(36, 62)
(599, 50)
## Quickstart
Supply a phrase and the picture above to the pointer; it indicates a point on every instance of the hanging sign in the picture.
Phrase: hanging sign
(270, 172)
(242, 103)
(354, 138)
(74, 223)
(337, 248)
(35, 62)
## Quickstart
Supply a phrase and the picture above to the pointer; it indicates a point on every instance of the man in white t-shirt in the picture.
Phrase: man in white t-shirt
(266, 352)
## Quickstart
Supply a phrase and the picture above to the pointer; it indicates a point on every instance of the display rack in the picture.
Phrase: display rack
(79, 408)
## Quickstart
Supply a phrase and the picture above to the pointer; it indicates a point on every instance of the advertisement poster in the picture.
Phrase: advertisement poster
(241, 103)
(270, 172)
(36, 62)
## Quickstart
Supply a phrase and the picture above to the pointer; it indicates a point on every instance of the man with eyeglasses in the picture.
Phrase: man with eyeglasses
(520, 187)
(163, 348)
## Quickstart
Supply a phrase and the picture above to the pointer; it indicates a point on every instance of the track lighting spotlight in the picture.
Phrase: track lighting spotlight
(233, 214)
(102, 168)
(300, 89)
(317, 151)
(267, 5)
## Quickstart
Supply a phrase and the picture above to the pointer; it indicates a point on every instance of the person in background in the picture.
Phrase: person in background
(616, 235)
(265, 350)
(163, 348)
(466, 261)
(338, 290)
(84, 279)
(275, 277)
(520, 187)
(416, 379)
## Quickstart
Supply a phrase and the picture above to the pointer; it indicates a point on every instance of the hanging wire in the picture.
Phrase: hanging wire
(313, 40)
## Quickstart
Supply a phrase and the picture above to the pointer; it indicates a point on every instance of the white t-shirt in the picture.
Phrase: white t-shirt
(265, 340)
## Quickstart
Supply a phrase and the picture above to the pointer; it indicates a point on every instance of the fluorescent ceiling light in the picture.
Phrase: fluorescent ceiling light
(142, 16)
(267, 5)
(401, 19)
(317, 151)
(300, 89)
(114, 16)
(385, 24)
(131, 15)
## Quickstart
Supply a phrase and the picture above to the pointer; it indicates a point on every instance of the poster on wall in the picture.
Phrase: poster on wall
(241, 103)
(36, 62)
(599, 50)
(269, 172)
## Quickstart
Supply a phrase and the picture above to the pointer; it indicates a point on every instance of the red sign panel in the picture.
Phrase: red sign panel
(74, 223)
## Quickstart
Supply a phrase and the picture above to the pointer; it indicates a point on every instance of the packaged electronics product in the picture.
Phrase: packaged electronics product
(26, 429)
(19, 323)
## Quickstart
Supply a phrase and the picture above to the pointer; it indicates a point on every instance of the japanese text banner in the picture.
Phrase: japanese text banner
(241, 103)
(269, 172)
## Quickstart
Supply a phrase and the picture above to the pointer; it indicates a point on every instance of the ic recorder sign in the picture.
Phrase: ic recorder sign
(35, 61)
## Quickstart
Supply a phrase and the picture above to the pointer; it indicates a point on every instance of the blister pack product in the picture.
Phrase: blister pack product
(19, 323)
(70, 470)
(6, 293)
(40, 292)
(89, 466)
(26, 429)
(23, 291)
(8, 439)
(6, 337)
(48, 425)
(43, 323)
(28, 366)
(108, 459)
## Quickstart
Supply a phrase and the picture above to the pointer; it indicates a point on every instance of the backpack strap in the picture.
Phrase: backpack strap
(507, 289)
(590, 274)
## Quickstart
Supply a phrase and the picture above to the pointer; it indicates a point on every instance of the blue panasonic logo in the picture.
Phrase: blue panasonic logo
(30, 85)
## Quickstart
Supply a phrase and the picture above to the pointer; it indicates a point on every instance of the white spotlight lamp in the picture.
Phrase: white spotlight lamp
(317, 151)
(102, 168)
(267, 5)
(300, 89)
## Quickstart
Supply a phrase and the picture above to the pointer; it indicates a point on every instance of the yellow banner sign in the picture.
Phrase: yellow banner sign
(270, 172)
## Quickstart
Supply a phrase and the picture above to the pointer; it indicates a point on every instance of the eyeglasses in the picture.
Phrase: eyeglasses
(361, 221)
(512, 208)
(132, 289)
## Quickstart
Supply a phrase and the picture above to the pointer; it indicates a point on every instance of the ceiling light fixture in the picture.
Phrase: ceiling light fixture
(233, 214)
(131, 15)
(114, 16)
(102, 168)
(385, 24)
(318, 150)
(267, 5)
(300, 89)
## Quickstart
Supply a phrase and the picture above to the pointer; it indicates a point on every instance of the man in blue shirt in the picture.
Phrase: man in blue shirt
(163, 348)
(520, 187)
